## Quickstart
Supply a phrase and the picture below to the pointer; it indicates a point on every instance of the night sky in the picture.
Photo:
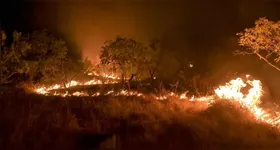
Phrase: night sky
(201, 30)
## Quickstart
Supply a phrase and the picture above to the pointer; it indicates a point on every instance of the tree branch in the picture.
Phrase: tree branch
(11, 75)
(6, 79)
(269, 54)
(269, 63)
(238, 52)
(4, 59)
(75, 75)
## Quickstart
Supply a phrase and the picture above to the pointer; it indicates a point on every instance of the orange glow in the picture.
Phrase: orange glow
(251, 100)
(231, 91)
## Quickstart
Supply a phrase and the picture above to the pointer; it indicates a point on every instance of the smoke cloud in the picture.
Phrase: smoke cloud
(191, 28)
(91, 24)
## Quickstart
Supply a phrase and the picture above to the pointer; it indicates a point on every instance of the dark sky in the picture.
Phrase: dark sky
(188, 27)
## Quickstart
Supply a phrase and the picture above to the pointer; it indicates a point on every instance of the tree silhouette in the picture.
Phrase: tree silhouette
(124, 54)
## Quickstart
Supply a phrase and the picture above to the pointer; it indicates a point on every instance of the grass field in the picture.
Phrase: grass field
(30, 121)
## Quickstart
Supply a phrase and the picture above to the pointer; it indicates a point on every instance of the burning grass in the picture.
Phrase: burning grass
(231, 117)
(55, 122)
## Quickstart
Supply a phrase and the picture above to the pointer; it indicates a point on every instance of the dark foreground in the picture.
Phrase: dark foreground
(29, 122)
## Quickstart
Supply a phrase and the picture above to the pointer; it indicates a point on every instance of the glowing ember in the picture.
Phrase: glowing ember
(96, 94)
(161, 97)
(108, 76)
(72, 83)
(109, 92)
(183, 96)
(79, 94)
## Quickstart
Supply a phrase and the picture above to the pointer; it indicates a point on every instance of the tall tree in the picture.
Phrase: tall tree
(263, 40)
(151, 58)
(123, 54)
(46, 56)
(12, 61)
(39, 55)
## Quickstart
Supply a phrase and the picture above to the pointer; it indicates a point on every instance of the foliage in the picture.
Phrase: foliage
(3, 37)
(131, 57)
(71, 68)
(11, 60)
(87, 66)
(47, 55)
(123, 54)
(151, 58)
(262, 40)
(39, 55)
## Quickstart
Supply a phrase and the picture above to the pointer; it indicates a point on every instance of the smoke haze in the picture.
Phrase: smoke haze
(190, 28)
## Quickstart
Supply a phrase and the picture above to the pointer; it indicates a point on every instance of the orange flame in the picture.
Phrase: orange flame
(230, 91)
(251, 100)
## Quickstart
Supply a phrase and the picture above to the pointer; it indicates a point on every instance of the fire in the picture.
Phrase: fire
(251, 100)
(109, 93)
(44, 90)
(183, 96)
(109, 79)
(108, 76)
(232, 91)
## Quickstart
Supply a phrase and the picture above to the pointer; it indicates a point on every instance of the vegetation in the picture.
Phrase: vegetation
(12, 61)
(262, 40)
(59, 123)
(127, 121)
(38, 56)
(131, 57)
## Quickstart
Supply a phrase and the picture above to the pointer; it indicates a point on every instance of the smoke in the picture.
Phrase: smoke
(89, 25)
(189, 28)
(183, 25)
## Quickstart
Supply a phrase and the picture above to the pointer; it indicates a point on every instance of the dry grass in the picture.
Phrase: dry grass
(29, 121)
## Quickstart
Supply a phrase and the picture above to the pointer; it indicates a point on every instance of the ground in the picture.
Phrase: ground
(31, 121)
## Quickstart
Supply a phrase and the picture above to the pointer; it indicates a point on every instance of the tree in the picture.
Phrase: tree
(87, 66)
(39, 55)
(262, 40)
(46, 56)
(70, 68)
(123, 54)
(11, 61)
(151, 58)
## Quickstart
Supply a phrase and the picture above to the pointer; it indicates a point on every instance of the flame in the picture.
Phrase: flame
(183, 96)
(232, 91)
(251, 100)
(111, 79)
(44, 90)
(108, 76)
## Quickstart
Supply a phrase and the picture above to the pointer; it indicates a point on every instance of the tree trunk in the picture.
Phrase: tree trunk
(130, 79)
(64, 82)
(152, 79)
(123, 80)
